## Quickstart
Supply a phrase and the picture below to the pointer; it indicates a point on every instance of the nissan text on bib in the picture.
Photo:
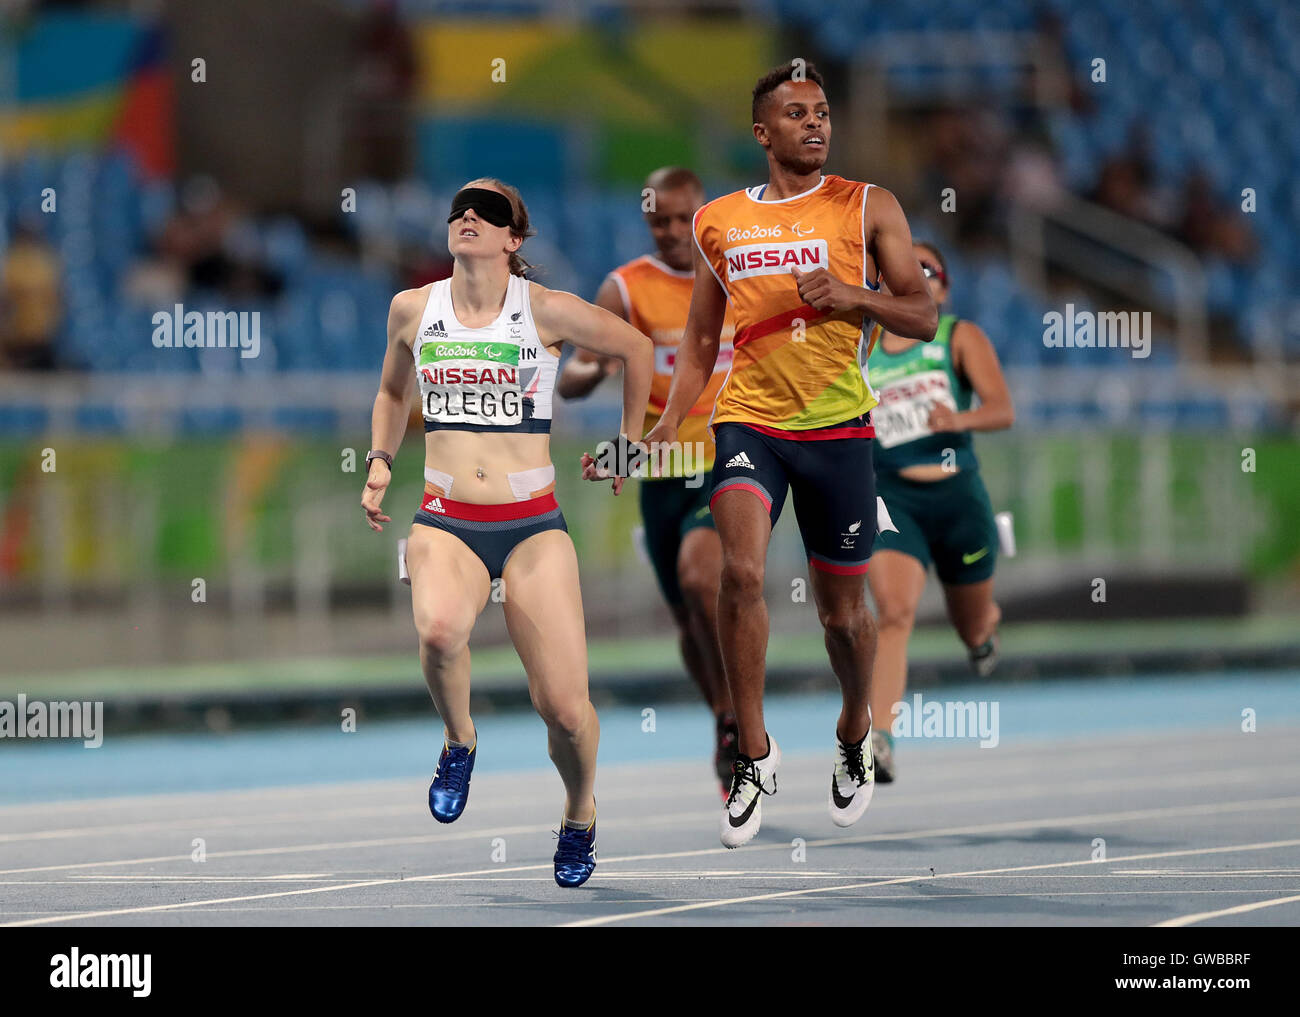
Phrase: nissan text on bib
(769, 259)
(903, 412)
(471, 382)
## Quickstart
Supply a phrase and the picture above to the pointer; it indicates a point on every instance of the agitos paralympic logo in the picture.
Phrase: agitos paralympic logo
(772, 259)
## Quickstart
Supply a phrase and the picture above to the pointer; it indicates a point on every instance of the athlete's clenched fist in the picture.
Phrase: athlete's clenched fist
(823, 291)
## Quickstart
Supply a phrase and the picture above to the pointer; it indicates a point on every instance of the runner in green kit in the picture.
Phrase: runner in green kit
(928, 476)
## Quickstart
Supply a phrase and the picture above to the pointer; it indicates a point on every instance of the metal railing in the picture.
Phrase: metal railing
(1044, 237)
(1069, 234)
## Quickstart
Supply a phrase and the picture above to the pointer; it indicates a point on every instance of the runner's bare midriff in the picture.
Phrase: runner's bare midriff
(927, 473)
(466, 454)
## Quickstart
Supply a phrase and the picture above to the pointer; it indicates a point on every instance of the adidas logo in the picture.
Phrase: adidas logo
(436, 329)
(740, 459)
(435, 505)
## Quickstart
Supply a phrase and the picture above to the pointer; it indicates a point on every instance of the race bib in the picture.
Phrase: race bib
(905, 407)
(471, 383)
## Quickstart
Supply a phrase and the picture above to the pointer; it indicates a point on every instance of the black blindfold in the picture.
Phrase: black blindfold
(490, 206)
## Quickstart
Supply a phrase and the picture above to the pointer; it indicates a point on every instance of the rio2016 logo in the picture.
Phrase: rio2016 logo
(754, 232)
(482, 352)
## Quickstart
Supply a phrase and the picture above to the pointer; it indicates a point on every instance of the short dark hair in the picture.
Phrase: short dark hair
(938, 256)
(670, 178)
(785, 72)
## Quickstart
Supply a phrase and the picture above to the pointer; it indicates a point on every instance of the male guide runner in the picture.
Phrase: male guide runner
(800, 259)
(653, 292)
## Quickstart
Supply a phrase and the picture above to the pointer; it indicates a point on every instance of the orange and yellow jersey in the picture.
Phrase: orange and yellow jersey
(658, 300)
(794, 368)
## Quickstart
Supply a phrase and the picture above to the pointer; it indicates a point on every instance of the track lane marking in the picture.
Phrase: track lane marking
(918, 800)
(1240, 909)
(950, 831)
(1059, 750)
(753, 898)
(1240, 775)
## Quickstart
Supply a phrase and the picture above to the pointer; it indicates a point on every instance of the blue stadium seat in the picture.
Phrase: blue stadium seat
(1183, 71)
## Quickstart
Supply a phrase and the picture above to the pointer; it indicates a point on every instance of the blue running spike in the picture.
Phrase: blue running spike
(449, 790)
(575, 855)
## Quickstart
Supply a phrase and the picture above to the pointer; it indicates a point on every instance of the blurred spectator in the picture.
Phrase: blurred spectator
(421, 265)
(1210, 226)
(968, 152)
(1033, 174)
(1119, 188)
(1051, 34)
(154, 281)
(383, 83)
(1126, 183)
(202, 240)
(29, 303)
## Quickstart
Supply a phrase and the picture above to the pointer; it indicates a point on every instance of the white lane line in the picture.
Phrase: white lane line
(1166, 812)
(671, 819)
(1165, 875)
(696, 906)
(1265, 803)
(437, 837)
(81, 916)
(1275, 873)
(1247, 775)
(660, 874)
(677, 819)
(753, 898)
(118, 880)
(186, 904)
(586, 902)
(426, 838)
(163, 798)
(450, 905)
(1049, 752)
(918, 800)
(410, 792)
(205, 822)
(1240, 909)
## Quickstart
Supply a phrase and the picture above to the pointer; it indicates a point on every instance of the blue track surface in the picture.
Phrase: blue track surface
(129, 765)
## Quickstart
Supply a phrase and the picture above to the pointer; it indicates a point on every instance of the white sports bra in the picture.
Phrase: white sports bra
(496, 378)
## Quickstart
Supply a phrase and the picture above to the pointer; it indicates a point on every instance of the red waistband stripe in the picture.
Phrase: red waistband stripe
(437, 505)
(816, 434)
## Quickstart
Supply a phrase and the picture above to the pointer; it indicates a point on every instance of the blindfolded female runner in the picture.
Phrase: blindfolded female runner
(483, 347)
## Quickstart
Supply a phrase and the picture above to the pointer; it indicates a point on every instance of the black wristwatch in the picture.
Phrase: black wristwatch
(375, 453)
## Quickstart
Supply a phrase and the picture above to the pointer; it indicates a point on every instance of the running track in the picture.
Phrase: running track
(1201, 822)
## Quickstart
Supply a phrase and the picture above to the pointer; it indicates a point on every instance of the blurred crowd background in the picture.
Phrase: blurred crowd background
(296, 159)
